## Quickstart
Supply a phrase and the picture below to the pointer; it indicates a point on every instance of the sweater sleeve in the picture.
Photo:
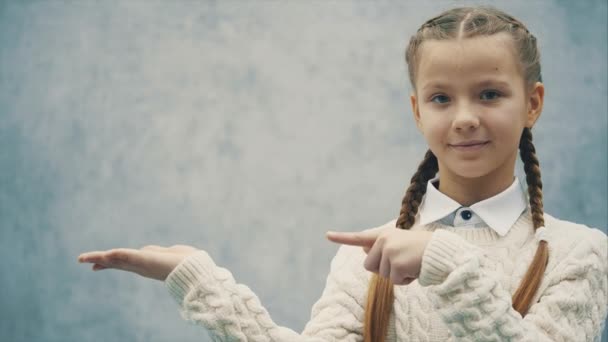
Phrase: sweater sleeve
(208, 295)
(467, 293)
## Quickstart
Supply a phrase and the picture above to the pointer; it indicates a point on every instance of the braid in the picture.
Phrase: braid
(380, 291)
(522, 298)
(532, 168)
(411, 201)
(430, 23)
(515, 24)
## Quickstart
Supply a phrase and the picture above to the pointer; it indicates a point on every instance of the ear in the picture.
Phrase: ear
(416, 110)
(535, 104)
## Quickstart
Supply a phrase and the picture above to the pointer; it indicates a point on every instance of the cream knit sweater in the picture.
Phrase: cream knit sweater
(464, 291)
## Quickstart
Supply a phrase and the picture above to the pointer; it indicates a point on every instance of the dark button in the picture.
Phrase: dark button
(466, 214)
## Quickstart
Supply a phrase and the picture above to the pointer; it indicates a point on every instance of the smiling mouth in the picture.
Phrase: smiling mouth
(473, 147)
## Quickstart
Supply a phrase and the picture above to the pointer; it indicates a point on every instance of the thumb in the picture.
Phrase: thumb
(365, 238)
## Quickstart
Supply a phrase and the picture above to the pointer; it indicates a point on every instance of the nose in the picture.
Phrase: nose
(465, 119)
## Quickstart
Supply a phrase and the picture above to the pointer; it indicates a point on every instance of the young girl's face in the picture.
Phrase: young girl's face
(473, 90)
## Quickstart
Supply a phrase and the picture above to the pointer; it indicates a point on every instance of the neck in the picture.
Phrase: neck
(468, 191)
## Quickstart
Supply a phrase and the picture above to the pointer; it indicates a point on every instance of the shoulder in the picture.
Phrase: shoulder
(575, 241)
(571, 231)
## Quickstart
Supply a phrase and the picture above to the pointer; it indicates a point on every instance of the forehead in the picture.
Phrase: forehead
(459, 60)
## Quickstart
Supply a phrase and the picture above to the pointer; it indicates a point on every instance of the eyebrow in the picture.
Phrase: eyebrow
(484, 83)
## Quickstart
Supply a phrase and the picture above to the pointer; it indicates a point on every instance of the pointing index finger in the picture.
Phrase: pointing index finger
(354, 239)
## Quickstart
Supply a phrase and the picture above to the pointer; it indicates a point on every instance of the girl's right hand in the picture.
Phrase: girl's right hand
(151, 261)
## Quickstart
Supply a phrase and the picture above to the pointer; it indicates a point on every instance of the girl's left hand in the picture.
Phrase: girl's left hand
(391, 252)
(151, 261)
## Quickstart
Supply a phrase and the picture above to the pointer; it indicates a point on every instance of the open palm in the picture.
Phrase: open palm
(151, 261)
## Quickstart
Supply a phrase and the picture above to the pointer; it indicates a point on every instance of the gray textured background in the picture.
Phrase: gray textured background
(244, 129)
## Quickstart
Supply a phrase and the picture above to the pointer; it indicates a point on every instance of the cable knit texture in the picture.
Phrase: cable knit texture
(463, 293)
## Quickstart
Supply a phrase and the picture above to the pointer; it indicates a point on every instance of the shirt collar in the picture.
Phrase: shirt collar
(499, 212)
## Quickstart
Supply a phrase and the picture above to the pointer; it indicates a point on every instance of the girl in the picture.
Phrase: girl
(473, 257)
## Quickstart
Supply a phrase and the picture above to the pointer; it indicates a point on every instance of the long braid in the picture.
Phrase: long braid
(531, 280)
(380, 288)
(411, 201)
(532, 168)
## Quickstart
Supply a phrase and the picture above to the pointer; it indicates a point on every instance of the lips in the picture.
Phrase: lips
(473, 148)
(470, 143)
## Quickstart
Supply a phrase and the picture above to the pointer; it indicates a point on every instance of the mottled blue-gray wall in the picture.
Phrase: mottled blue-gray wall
(246, 129)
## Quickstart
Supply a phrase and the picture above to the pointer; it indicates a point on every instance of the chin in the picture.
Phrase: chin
(471, 171)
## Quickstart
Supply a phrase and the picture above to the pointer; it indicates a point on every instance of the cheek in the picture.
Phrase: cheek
(434, 129)
(437, 134)
(509, 125)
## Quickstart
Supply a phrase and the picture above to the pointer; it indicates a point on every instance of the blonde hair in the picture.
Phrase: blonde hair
(466, 22)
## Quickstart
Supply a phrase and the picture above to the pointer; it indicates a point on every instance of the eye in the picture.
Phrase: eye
(491, 92)
(441, 97)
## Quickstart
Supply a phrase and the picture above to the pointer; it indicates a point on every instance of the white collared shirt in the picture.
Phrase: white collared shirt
(498, 212)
